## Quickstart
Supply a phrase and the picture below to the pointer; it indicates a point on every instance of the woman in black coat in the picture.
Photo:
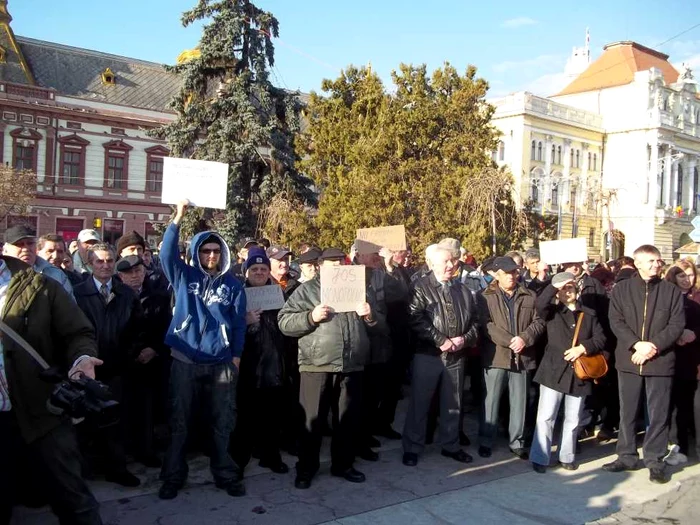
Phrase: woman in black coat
(558, 305)
(261, 382)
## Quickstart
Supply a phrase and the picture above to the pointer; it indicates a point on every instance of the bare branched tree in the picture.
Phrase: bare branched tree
(17, 191)
(284, 220)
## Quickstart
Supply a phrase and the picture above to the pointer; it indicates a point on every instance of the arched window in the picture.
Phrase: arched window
(679, 193)
(539, 151)
(555, 194)
(501, 150)
(696, 189)
(660, 184)
(559, 155)
(554, 152)
(532, 150)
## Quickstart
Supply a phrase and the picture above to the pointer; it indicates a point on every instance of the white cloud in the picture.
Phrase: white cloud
(548, 84)
(520, 21)
(540, 62)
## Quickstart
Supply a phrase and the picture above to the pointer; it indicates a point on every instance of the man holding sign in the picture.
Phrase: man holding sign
(333, 350)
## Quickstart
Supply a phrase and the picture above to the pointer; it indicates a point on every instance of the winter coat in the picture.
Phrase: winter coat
(119, 325)
(57, 274)
(40, 310)
(155, 301)
(208, 324)
(495, 322)
(339, 344)
(263, 362)
(438, 312)
(646, 311)
(688, 356)
(554, 371)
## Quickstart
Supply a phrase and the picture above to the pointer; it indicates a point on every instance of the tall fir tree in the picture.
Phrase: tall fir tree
(229, 111)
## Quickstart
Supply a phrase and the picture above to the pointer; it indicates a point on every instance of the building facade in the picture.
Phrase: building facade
(79, 119)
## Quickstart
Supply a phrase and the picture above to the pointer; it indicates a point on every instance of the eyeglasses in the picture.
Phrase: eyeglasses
(207, 251)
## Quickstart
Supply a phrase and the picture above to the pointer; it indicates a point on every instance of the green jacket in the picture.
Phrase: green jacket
(340, 344)
(41, 311)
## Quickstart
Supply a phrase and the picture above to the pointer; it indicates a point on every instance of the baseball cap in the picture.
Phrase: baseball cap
(19, 232)
(248, 241)
(127, 263)
(504, 263)
(331, 253)
(88, 235)
(278, 252)
(310, 256)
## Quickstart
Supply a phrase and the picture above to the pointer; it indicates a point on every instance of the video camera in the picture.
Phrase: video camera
(81, 398)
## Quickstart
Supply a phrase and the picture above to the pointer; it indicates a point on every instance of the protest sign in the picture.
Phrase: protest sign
(201, 181)
(565, 250)
(264, 297)
(371, 240)
(343, 287)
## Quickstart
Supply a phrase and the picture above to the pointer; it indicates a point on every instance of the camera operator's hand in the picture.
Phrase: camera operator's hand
(146, 355)
(85, 366)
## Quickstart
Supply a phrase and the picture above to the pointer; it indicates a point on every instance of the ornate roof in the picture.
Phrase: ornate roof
(617, 66)
(78, 72)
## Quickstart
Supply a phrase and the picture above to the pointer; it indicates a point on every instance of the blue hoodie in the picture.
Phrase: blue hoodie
(208, 324)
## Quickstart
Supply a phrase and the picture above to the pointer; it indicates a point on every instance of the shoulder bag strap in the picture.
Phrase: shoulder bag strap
(574, 342)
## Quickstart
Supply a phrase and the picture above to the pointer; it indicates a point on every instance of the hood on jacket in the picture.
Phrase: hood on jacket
(198, 240)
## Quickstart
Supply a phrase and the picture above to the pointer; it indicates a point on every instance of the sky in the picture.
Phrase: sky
(515, 45)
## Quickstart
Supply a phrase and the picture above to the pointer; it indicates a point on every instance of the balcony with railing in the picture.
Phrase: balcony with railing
(524, 102)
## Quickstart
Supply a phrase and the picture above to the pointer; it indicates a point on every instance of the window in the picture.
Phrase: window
(70, 172)
(154, 167)
(595, 162)
(116, 174)
(589, 160)
(572, 198)
(555, 194)
(660, 183)
(112, 229)
(591, 201)
(501, 151)
(24, 157)
(559, 155)
(534, 192)
(571, 158)
(23, 220)
(578, 158)
(591, 237)
(539, 151)
(554, 152)
(679, 193)
(532, 150)
(696, 189)
(69, 228)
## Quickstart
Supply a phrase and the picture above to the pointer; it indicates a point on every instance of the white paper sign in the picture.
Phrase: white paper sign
(371, 240)
(264, 297)
(564, 250)
(201, 181)
(343, 287)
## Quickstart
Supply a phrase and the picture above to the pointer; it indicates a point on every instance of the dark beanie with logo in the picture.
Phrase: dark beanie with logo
(256, 255)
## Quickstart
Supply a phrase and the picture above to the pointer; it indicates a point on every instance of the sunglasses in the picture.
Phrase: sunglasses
(215, 251)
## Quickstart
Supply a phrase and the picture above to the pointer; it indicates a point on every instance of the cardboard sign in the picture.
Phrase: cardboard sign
(264, 297)
(371, 240)
(564, 250)
(201, 181)
(343, 287)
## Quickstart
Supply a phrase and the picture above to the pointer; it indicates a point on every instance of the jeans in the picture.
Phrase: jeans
(214, 387)
(547, 411)
(430, 374)
(496, 379)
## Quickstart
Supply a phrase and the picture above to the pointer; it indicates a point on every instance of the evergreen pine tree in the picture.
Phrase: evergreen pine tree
(229, 111)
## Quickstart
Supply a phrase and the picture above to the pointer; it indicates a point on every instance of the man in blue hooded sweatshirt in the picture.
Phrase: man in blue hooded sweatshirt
(206, 337)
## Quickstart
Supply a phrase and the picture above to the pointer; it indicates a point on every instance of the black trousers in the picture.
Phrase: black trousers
(658, 399)
(258, 424)
(374, 391)
(320, 391)
(53, 462)
(686, 413)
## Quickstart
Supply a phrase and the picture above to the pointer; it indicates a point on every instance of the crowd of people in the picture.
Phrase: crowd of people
(193, 368)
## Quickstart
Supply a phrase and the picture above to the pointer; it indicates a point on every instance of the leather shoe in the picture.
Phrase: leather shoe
(303, 480)
(123, 478)
(410, 459)
(350, 474)
(464, 440)
(169, 490)
(234, 488)
(387, 432)
(277, 466)
(569, 466)
(618, 466)
(658, 475)
(485, 452)
(368, 454)
(459, 455)
(540, 469)
(520, 453)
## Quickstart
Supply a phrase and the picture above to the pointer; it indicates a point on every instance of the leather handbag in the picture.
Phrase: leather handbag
(588, 367)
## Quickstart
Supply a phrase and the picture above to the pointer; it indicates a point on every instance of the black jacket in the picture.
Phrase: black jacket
(646, 311)
(438, 312)
(119, 325)
(155, 301)
(688, 356)
(263, 361)
(554, 371)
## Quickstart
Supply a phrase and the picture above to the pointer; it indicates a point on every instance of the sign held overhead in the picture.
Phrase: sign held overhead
(203, 182)
(371, 240)
(564, 250)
